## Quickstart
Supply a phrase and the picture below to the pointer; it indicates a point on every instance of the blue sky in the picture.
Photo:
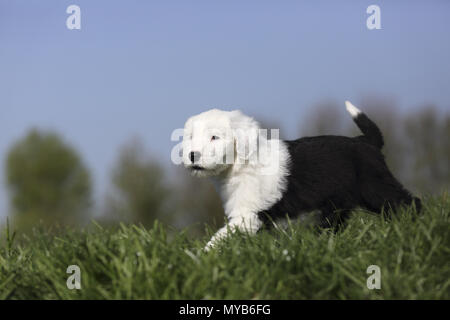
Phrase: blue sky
(140, 68)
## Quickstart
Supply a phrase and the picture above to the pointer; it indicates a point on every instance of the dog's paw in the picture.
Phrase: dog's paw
(208, 246)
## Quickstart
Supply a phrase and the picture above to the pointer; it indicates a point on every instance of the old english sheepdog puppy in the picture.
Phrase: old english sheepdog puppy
(261, 180)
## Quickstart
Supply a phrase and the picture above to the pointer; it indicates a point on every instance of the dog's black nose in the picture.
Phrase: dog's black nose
(194, 156)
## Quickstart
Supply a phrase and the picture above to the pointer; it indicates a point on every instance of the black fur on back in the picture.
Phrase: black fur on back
(334, 174)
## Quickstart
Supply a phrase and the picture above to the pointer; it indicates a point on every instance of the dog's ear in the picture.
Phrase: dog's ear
(245, 135)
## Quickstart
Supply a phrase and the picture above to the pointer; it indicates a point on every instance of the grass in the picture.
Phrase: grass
(131, 262)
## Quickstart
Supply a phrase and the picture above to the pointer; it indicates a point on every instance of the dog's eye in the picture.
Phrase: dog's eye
(214, 138)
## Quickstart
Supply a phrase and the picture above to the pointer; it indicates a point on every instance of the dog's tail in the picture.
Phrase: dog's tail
(372, 133)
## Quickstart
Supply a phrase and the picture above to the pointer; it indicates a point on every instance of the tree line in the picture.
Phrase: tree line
(48, 182)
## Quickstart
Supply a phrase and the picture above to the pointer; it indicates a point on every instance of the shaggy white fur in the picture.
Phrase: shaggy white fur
(248, 170)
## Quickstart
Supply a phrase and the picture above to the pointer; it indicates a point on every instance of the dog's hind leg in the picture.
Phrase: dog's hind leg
(378, 188)
(386, 194)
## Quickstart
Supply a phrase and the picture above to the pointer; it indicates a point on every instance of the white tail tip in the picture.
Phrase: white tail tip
(354, 111)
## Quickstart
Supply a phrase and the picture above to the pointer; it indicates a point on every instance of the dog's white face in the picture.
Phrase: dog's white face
(209, 143)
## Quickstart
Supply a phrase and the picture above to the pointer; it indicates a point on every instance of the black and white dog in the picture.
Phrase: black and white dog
(260, 179)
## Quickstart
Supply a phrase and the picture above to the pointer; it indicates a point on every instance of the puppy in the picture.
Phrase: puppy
(262, 179)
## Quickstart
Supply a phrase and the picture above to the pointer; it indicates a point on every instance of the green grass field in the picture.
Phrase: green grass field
(131, 262)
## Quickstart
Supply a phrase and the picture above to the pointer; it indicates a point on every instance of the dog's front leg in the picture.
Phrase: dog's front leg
(249, 223)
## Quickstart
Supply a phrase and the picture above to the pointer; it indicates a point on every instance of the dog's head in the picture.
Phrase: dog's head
(215, 140)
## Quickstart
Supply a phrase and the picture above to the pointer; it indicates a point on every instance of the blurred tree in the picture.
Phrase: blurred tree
(47, 181)
(325, 118)
(196, 203)
(139, 192)
(428, 140)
